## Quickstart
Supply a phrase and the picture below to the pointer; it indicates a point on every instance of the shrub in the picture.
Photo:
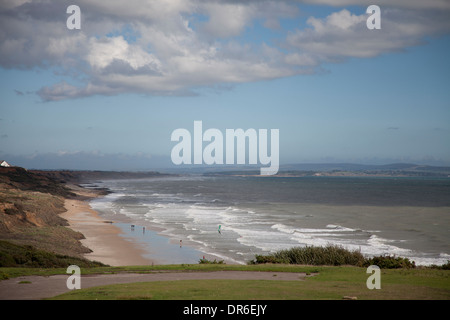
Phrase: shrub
(387, 262)
(206, 261)
(3, 276)
(260, 259)
(329, 255)
(13, 255)
(445, 266)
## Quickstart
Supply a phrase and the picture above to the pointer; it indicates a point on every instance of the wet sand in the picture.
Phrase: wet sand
(103, 237)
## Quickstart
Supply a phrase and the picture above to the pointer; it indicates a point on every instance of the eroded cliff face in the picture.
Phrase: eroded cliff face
(21, 209)
(30, 205)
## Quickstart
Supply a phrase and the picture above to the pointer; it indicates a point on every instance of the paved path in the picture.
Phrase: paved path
(50, 286)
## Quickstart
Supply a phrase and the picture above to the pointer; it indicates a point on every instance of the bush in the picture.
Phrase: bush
(3, 276)
(329, 255)
(206, 261)
(334, 255)
(445, 266)
(13, 255)
(387, 262)
(260, 259)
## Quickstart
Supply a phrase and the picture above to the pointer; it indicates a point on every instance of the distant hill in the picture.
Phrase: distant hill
(362, 167)
(337, 169)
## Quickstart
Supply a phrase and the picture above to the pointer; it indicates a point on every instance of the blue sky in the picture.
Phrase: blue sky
(108, 96)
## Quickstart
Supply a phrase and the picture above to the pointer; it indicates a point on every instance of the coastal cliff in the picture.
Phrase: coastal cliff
(30, 225)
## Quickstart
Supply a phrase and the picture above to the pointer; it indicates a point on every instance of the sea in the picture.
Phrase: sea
(234, 218)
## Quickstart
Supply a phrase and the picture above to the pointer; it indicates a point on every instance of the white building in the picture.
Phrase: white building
(3, 163)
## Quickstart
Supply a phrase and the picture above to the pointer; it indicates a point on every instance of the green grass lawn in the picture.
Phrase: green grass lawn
(329, 283)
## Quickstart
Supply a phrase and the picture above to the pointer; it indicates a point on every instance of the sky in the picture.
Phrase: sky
(109, 95)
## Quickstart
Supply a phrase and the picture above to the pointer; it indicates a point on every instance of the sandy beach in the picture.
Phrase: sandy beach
(101, 236)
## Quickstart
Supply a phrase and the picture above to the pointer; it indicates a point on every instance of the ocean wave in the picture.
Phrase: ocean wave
(330, 229)
(444, 255)
(246, 228)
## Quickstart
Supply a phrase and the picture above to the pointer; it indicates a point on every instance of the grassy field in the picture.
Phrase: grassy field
(6, 273)
(326, 283)
(329, 283)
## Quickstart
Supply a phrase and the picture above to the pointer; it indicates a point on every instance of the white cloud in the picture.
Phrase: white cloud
(409, 4)
(173, 47)
(103, 52)
(300, 59)
(343, 34)
(226, 20)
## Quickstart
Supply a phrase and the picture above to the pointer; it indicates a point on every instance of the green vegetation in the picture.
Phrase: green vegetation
(445, 266)
(327, 283)
(329, 255)
(206, 261)
(324, 282)
(333, 256)
(20, 271)
(22, 179)
(12, 255)
(390, 262)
